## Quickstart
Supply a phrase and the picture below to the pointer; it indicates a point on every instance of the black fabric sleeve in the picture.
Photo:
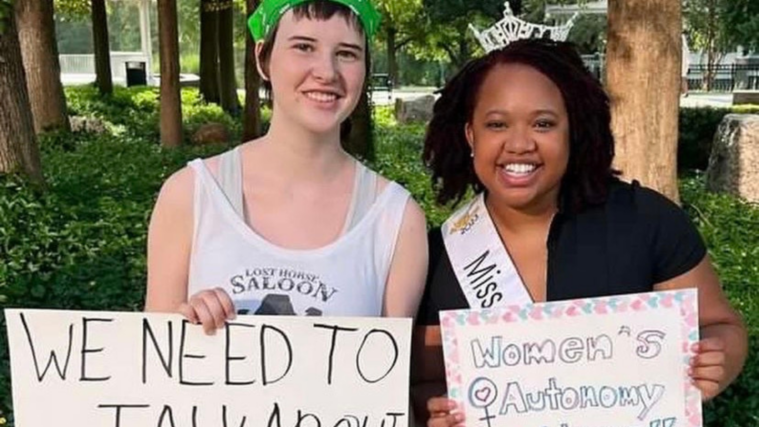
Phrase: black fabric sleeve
(677, 246)
(442, 291)
(428, 309)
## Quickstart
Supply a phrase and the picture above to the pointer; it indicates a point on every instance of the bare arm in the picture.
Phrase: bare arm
(169, 244)
(405, 281)
(723, 346)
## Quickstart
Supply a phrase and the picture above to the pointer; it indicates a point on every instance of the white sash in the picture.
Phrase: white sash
(482, 265)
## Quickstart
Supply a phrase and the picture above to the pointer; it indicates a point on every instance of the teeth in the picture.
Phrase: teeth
(321, 96)
(519, 168)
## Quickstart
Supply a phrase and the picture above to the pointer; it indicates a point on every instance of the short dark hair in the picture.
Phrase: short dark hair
(322, 10)
(591, 143)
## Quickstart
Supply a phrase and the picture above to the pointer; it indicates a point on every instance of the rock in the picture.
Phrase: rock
(88, 124)
(211, 133)
(414, 110)
(734, 160)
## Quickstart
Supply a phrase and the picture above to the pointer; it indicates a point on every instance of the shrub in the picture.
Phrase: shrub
(731, 231)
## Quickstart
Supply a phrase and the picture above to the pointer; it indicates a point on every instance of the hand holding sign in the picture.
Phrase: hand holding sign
(119, 369)
(619, 361)
(708, 366)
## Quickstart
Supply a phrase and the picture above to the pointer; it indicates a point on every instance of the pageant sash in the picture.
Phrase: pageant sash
(482, 265)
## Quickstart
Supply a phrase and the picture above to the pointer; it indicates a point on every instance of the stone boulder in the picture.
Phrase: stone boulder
(734, 160)
(414, 110)
(211, 133)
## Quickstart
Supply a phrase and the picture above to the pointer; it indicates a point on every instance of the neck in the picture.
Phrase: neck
(297, 154)
(521, 220)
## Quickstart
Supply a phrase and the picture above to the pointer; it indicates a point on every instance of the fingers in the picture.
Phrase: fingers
(713, 358)
(709, 389)
(226, 303)
(708, 366)
(205, 315)
(709, 373)
(709, 344)
(451, 420)
(440, 405)
(189, 313)
(440, 413)
(211, 308)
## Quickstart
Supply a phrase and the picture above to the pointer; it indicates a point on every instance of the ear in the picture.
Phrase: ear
(469, 133)
(259, 47)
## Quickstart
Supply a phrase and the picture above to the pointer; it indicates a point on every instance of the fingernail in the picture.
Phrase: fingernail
(695, 347)
(458, 417)
(451, 404)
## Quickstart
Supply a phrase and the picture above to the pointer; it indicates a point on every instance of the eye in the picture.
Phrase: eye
(303, 47)
(495, 125)
(347, 55)
(544, 124)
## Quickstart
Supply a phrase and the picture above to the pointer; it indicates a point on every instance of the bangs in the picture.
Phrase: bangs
(324, 10)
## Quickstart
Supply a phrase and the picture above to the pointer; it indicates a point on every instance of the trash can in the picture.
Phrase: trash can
(136, 73)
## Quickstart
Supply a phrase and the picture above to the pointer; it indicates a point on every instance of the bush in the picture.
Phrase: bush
(731, 231)
(134, 111)
(697, 129)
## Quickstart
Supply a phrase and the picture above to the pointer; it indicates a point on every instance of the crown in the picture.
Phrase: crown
(511, 28)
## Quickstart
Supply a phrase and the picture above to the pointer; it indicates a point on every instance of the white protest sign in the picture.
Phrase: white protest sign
(101, 369)
(605, 362)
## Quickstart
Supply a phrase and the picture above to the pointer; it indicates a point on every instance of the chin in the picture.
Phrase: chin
(522, 198)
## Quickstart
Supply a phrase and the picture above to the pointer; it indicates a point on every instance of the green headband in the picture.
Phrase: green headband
(268, 13)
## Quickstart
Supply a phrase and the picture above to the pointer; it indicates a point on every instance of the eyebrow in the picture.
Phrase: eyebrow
(536, 112)
(351, 46)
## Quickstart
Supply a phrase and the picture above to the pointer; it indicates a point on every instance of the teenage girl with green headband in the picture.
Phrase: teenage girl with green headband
(290, 223)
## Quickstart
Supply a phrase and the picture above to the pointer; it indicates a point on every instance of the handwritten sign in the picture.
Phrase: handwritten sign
(102, 369)
(609, 362)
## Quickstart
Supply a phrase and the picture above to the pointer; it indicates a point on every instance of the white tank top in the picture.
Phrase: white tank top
(344, 278)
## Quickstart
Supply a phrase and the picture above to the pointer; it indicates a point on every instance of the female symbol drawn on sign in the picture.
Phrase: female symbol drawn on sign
(482, 393)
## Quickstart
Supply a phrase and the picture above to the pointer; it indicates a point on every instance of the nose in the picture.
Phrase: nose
(325, 68)
(519, 141)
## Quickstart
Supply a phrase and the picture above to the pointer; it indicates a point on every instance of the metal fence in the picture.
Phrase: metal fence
(724, 77)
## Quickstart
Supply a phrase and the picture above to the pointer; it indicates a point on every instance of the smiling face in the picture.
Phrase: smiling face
(317, 71)
(519, 134)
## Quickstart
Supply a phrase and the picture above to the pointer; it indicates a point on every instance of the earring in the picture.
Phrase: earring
(471, 154)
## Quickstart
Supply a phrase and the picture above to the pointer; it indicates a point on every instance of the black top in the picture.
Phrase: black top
(636, 239)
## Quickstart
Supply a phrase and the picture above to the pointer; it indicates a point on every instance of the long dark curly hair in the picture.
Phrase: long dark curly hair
(591, 143)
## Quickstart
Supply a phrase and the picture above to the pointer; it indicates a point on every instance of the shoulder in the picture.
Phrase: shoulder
(177, 191)
(643, 201)
(413, 213)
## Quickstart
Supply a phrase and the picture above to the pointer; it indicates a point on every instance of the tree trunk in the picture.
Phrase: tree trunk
(360, 140)
(171, 105)
(252, 118)
(228, 82)
(643, 75)
(43, 71)
(18, 143)
(392, 58)
(103, 79)
(209, 51)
